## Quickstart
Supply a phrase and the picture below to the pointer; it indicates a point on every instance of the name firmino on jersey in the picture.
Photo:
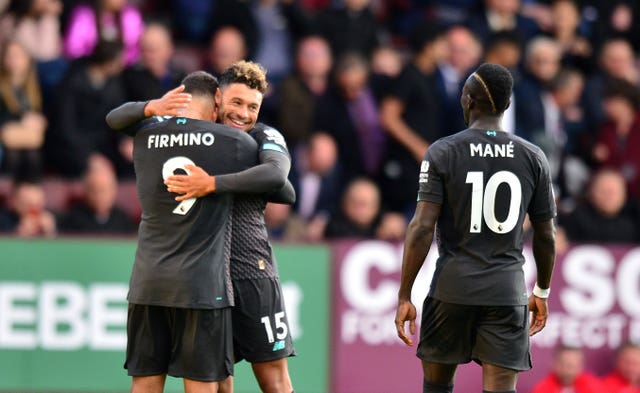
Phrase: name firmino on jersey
(184, 139)
(491, 150)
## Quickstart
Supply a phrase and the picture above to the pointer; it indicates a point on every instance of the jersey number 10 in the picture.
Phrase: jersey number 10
(483, 201)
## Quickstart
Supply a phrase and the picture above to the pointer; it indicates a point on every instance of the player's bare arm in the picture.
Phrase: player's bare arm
(416, 246)
(544, 253)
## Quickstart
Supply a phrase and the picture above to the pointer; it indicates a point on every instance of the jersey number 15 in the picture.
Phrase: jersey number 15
(483, 201)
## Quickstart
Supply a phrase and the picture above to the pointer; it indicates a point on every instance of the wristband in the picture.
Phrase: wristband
(541, 293)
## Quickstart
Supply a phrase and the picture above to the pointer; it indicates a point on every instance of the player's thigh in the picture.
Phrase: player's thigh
(446, 332)
(202, 345)
(260, 326)
(149, 340)
(191, 386)
(439, 374)
(502, 337)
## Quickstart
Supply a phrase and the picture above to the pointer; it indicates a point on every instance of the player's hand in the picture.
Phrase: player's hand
(406, 312)
(196, 184)
(172, 103)
(539, 309)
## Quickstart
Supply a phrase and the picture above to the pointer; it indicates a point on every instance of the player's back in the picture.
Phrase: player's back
(489, 181)
(183, 247)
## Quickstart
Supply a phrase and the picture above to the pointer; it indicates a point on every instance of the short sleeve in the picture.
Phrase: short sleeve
(543, 204)
(430, 180)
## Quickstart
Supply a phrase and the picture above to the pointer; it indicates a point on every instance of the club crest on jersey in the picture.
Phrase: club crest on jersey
(424, 172)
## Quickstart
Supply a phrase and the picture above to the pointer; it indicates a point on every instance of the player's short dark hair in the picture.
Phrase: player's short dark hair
(495, 85)
(248, 73)
(200, 83)
(620, 88)
(424, 34)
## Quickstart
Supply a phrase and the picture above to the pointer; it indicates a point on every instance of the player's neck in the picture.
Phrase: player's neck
(486, 123)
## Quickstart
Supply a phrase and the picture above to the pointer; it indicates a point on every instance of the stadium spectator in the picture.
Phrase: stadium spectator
(618, 18)
(278, 26)
(226, 47)
(568, 374)
(412, 115)
(22, 124)
(283, 224)
(618, 141)
(625, 377)
(542, 64)
(87, 94)
(350, 27)
(464, 53)
(97, 212)
(566, 30)
(359, 213)
(502, 15)
(36, 25)
(299, 93)
(154, 73)
(504, 49)
(28, 217)
(318, 180)
(349, 113)
(616, 61)
(605, 216)
(94, 21)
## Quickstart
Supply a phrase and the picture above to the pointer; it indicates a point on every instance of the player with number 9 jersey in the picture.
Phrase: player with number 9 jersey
(183, 251)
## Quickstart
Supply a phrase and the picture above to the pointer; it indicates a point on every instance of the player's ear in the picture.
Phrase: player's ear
(218, 97)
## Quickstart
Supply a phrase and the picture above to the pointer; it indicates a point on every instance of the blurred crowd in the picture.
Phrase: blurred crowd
(359, 89)
(568, 373)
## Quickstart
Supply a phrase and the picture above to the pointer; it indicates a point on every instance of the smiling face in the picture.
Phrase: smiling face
(238, 105)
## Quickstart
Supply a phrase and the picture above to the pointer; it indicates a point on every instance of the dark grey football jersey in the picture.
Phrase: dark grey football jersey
(251, 254)
(183, 253)
(486, 181)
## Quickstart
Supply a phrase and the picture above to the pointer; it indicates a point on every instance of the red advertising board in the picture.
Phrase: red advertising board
(595, 303)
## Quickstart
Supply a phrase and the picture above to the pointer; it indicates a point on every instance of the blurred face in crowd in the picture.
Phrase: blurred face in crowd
(570, 93)
(617, 58)
(386, 61)
(608, 193)
(101, 189)
(353, 79)
(227, 47)
(618, 109)
(16, 62)
(628, 364)
(506, 54)
(504, 7)
(464, 49)
(322, 153)
(314, 57)
(362, 202)
(156, 49)
(356, 5)
(565, 15)
(28, 199)
(544, 59)
(568, 364)
(238, 106)
(276, 214)
(113, 5)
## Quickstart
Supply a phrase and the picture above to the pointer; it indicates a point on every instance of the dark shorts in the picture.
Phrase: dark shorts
(260, 327)
(456, 333)
(186, 343)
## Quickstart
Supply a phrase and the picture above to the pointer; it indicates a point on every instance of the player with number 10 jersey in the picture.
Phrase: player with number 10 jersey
(491, 180)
